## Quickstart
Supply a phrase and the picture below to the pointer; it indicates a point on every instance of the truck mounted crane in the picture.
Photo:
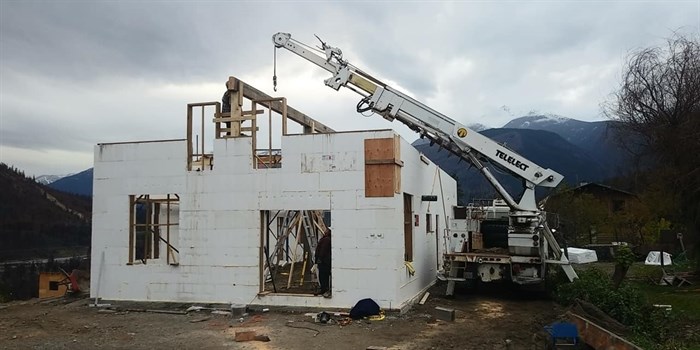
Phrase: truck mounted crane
(531, 244)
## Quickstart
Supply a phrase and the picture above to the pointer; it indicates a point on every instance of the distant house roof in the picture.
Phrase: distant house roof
(583, 187)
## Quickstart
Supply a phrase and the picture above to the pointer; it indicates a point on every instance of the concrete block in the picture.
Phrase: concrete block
(445, 314)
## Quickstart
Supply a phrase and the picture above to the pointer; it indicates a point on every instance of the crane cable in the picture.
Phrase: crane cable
(274, 69)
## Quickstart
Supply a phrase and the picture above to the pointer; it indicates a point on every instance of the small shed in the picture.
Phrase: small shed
(50, 285)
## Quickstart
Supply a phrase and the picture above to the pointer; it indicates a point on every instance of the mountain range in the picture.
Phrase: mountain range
(47, 179)
(580, 151)
(80, 183)
(597, 138)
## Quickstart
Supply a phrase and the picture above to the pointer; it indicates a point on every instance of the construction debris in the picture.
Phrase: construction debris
(444, 314)
(424, 298)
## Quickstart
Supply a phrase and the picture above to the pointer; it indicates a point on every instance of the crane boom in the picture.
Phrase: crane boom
(525, 220)
(446, 132)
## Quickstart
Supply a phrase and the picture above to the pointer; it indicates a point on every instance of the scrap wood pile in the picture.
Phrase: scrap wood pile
(593, 313)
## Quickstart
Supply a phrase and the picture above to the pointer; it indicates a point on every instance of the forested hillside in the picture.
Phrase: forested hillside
(39, 222)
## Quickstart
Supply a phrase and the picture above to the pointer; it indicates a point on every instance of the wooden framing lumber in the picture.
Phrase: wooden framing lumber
(309, 124)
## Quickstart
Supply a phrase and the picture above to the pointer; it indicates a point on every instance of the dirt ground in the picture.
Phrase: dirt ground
(484, 320)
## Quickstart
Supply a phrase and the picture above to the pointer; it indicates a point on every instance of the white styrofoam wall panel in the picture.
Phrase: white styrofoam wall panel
(327, 143)
(202, 240)
(194, 183)
(347, 279)
(295, 200)
(106, 187)
(233, 165)
(210, 182)
(363, 259)
(232, 257)
(223, 201)
(379, 202)
(140, 151)
(292, 182)
(295, 300)
(194, 221)
(232, 147)
(381, 239)
(346, 238)
(385, 218)
(231, 220)
(344, 200)
(342, 181)
(291, 162)
(153, 185)
(239, 237)
(227, 240)
(139, 168)
(105, 204)
(331, 162)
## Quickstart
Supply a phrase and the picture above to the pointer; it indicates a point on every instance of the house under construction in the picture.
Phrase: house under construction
(227, 216)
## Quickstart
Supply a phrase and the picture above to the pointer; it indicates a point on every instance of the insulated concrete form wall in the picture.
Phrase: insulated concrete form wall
(219, 222)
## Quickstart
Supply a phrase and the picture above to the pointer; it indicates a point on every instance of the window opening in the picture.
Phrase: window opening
(198, 159)
(153, 228)
(53, 285)
(408, 227)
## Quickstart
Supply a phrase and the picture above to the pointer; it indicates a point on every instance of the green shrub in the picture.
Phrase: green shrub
(626, 304)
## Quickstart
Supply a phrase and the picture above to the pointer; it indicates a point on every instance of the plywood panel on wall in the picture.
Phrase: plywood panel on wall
(383, 167)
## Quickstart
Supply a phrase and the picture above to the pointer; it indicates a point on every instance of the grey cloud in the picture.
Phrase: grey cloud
(68, 67)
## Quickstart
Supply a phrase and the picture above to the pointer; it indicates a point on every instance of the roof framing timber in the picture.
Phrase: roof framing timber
(310, 125)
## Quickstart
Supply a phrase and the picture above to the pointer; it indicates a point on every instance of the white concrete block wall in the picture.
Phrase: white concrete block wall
(219, 227)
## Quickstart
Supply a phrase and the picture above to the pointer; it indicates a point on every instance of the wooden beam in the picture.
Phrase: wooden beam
(307, 122)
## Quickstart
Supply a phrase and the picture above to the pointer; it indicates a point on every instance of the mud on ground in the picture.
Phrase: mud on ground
(484, 320)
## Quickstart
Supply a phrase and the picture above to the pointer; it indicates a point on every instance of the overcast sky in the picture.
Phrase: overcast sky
(77, 73)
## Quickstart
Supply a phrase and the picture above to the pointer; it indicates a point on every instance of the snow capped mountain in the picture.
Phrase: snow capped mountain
(47, 179)
(478, 127)
(537, 121)
(597, 138)
(80, 183)
(575, 131)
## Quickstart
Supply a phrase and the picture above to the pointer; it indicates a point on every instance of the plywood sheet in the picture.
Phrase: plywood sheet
(382, 167)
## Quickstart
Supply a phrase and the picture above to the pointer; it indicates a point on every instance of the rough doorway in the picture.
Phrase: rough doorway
(288, 241)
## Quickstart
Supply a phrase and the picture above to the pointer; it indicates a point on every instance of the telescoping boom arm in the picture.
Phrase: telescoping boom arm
(527, 224)
(457, 138)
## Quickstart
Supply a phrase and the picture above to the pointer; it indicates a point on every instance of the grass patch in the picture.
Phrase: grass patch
(631, 304)
(685, 301)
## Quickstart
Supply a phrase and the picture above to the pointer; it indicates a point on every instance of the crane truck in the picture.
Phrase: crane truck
(529, 243)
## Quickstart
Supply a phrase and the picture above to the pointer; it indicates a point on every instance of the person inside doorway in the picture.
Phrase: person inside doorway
(323, 260)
